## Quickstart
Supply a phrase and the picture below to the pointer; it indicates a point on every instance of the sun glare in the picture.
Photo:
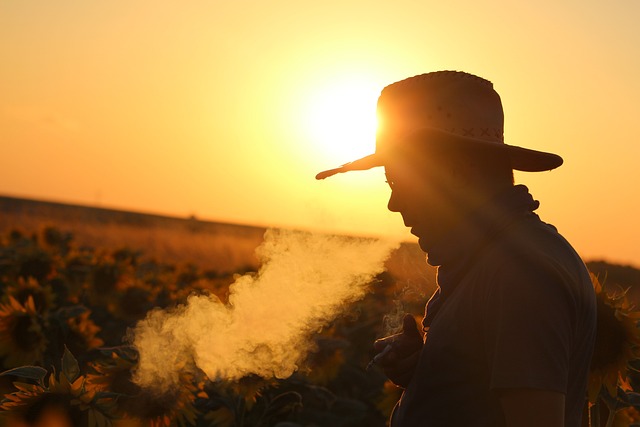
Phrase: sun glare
(341, 120)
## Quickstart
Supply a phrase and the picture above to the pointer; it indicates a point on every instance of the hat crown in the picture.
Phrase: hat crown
(451, 101)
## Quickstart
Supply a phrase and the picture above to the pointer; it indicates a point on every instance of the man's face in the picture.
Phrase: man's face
(425, 196)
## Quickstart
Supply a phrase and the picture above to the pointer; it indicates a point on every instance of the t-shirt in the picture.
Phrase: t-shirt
(522, 315)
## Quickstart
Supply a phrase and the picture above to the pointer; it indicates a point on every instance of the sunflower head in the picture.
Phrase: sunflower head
(64, 395)
(82, 332)
(77, 271)
(133, 302)
(175, 406)
(57, 239)
(22, 339)
(105, 277)
(249, 388)
(617, 342)
(114, 371)
(42, 294)
(35, 262)
(325, 362)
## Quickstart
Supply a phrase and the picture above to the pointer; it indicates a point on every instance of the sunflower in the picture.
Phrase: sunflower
(22, 339)
(21, 290)
(248, 388)
(617, 342)
(77, 272)
(113, 373)
(66, 391)
(175, 406)
(627, 416)
(247, 401)
(33, 261)
(133, 302)
(56, 239)
(325, 362)
(158, 408)
(83, 332)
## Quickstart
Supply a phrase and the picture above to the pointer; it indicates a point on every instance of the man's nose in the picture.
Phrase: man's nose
(394, 202)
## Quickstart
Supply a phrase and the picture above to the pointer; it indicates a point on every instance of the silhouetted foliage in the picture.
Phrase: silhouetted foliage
(65, 310)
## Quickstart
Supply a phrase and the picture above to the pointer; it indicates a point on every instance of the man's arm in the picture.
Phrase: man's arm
(532, 408)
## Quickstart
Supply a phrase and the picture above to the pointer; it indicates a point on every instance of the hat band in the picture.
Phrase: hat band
(485, 133)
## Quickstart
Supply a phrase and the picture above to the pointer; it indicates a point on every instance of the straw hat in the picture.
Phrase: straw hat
(444, 107)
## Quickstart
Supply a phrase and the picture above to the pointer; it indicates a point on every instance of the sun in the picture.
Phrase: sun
(341, 119)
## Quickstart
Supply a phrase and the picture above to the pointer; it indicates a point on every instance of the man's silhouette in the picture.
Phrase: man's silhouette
(510, 331)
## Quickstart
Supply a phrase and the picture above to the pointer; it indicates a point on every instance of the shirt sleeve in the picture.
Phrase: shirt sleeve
(528, 328)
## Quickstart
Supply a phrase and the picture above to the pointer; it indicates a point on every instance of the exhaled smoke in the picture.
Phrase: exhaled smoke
(265, 328)
(392, 322)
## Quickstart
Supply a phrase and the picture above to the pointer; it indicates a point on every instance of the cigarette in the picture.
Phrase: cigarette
(379, 356)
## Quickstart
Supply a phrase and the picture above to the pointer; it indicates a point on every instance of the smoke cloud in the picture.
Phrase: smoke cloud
(266, 326)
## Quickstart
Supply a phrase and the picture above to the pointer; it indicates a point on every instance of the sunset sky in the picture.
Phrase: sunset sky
(226, 110)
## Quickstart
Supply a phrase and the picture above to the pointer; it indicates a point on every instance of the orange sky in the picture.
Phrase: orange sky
(216, 108)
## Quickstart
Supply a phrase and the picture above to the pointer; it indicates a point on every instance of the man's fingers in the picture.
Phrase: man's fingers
(394, 362)
(410, 326)
(400, 371)
(410, 334)
(380, 344)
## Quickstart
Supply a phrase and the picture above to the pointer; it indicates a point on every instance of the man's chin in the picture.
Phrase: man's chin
(423, 244)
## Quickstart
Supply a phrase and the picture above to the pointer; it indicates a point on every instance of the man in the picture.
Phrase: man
(511, 327)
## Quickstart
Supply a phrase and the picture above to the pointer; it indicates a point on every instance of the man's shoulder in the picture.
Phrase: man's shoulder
(535, 247)
(532, 239)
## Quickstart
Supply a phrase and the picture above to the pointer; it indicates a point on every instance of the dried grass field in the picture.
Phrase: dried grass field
(211, 246)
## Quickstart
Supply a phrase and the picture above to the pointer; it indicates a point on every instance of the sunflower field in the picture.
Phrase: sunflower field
(64, 314)
(65, 311)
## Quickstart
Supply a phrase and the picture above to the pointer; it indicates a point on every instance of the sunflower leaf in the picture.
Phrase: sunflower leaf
(70, 367)
(106, 395)
(283, 404)
(36, 373)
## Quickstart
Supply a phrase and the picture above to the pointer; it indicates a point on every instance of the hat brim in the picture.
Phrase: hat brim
(522, 159)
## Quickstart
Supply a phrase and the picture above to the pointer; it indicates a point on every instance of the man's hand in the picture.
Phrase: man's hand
(398, 354)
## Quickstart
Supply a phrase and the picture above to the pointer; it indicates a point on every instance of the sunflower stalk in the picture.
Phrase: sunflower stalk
(611, 418)
(594, 415)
